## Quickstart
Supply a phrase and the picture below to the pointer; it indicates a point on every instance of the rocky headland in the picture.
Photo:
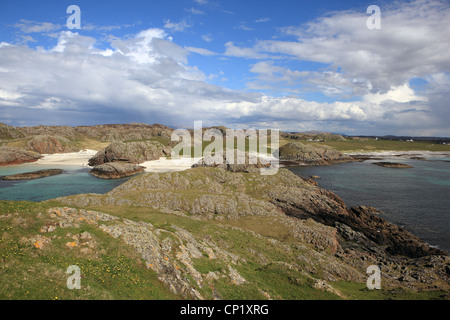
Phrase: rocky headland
(283, 206)
(297, 153)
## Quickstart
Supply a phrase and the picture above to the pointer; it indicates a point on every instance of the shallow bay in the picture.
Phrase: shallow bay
(417, 199)
(73, 180)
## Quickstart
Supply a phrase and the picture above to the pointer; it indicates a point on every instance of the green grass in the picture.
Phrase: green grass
(359, 291)
(113, 271)
(381, 145)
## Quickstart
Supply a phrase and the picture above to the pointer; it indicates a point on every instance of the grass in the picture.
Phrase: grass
(381, 145)
(113, 272)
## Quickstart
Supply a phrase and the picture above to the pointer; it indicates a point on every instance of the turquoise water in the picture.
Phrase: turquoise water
(73, 180)
(417, 199)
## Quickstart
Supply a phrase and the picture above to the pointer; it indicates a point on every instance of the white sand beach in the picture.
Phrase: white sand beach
(169, 165)
(161, 165)
(80, 158)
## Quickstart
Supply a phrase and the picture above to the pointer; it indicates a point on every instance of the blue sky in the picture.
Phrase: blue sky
(292, 65)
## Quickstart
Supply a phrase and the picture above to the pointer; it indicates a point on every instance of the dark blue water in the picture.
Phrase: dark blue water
(74, 180)
(417, 199)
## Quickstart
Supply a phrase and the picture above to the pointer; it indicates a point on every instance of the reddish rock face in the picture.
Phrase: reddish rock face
(46, 144)
(11, 155)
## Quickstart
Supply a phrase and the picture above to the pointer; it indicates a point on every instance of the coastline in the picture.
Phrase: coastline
(391, 153)
(80, 158)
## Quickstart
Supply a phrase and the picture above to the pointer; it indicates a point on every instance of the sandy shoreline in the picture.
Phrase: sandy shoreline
(161, 165)
(80, 158)
(169, 165)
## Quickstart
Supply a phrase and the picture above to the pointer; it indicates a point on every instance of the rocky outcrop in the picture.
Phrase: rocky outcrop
(46, 144)
(33, 175)
(11, 155)
(116, 170)
(296, 153)
(133, 152)
(392, 165)
(239, 163)
(332, 211)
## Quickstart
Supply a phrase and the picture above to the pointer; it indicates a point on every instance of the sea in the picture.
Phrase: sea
(73, 180)
(417, 198)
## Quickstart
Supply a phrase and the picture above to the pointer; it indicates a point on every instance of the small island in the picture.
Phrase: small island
(33, 175)
(116, 170)
(392, 165)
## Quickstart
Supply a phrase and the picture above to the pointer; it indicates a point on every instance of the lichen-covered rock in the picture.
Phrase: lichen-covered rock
(134, 152)
(299, 153)
(116, 170)
(239, 162)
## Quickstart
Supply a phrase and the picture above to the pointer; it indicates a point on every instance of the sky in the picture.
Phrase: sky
(327, 65)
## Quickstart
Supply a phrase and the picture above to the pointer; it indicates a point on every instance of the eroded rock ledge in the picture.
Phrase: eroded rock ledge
(33, 175)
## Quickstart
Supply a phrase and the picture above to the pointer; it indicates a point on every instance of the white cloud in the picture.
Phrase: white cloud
(402, 93)
(202, 2)
(262, 20)
(195, 11)
(207, 37)
(202, 51)
(250, 53)
(176, 26)
(28, 26)
(147, 77)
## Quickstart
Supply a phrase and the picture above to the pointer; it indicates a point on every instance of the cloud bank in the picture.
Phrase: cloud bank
(147, 77)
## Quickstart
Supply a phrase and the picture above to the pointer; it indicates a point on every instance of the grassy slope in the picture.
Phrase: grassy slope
(116, 271)
(26, 272)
